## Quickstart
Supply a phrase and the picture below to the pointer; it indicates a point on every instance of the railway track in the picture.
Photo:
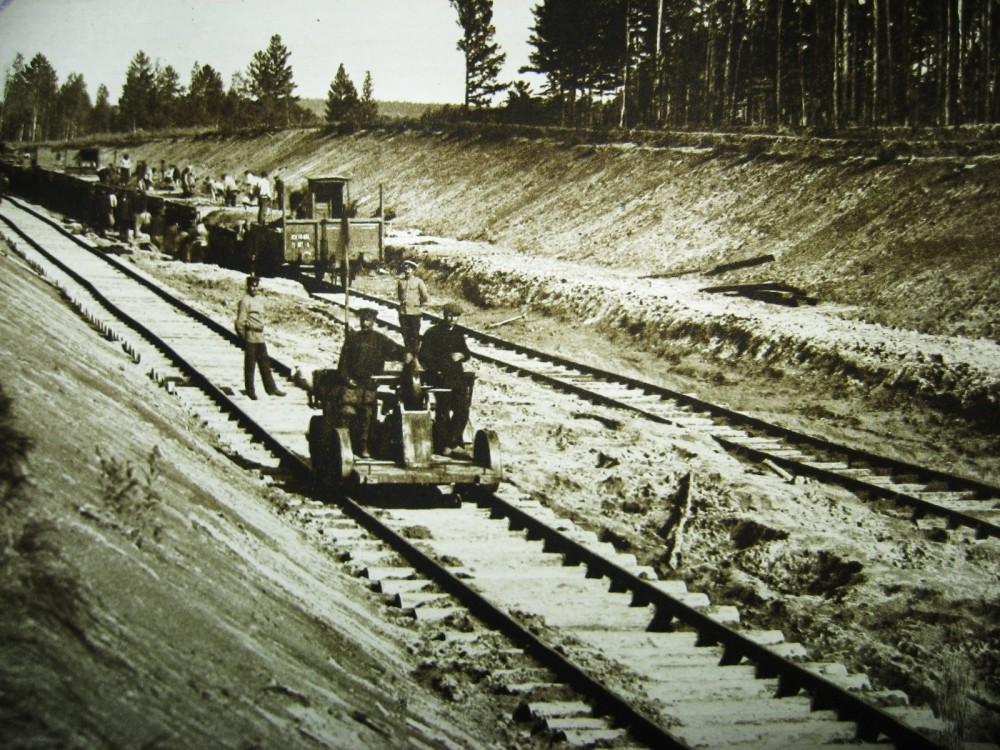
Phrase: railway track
(935, 497)
(617, 656)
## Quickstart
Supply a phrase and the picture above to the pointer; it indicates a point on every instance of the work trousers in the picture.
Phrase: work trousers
(409, 325)
(254, 356)
(263, 206)
(452, 414)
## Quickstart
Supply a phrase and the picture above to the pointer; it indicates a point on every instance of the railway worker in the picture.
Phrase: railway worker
(172, 175)
(363, 356)
(187, 182)
(123, 214)
(250, 328)
(4, 187)
(411, 291)
(229, 189)
(124, 169)
(250, 181)
(141, 217)
(110, 211)
(264, 196)
(442, 353)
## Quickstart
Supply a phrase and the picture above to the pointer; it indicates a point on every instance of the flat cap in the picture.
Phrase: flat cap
(367, 312)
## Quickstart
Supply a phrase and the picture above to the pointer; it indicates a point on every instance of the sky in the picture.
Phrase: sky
(408, 46)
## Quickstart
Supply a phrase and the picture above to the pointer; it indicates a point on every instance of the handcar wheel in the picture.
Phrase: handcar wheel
(341, 455)
(486, 450)
(330, 453)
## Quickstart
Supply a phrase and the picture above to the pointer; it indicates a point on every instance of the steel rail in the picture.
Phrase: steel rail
(853, 457)
(870, 722)
(605, 700)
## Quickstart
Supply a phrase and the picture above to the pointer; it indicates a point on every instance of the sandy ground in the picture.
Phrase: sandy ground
(899, 357)
(854, 583)
(156, 594)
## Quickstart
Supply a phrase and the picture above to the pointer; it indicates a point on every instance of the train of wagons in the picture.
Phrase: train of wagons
(315, 235)
(315, 230)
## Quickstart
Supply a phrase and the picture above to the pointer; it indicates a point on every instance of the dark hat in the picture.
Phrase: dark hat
(367, 312)
(252, 281)
(452, 308)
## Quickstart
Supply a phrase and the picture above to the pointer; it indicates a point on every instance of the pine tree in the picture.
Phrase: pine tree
(74, 107)
(15, 100)
(42, 90)
(206, 96)
(168, 95)
(137, 103)
(271, 83)
(102, 115)
(369, 107)
(342, 98)
(483, 59)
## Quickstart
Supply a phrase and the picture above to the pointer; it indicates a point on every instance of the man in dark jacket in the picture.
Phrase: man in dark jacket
(442, 353)
(362, 357)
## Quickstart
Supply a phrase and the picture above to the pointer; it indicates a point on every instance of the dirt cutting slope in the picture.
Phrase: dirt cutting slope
(907, 237)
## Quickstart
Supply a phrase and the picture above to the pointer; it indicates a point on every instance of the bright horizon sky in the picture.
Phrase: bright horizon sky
(409, 46)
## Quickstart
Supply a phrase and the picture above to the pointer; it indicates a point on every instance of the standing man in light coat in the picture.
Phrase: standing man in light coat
(250, 328)
(411, 291)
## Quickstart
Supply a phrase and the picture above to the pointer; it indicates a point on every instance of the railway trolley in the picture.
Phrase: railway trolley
(401, 441)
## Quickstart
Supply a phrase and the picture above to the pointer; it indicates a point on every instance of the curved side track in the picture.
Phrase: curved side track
(960, 502)
(655, 663)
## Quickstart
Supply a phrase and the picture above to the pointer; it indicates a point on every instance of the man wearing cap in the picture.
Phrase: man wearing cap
(362, 357)
(442, 353)
(250, 328)
(412, 295)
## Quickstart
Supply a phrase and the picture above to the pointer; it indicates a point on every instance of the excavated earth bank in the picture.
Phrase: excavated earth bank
(600, 252)
(893, 240)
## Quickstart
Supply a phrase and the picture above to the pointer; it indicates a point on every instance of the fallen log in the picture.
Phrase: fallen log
(747, 263)
(773, 292)
(788, 477)
(505, 322)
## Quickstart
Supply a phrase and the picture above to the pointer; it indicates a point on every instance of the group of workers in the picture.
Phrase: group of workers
(434, 359)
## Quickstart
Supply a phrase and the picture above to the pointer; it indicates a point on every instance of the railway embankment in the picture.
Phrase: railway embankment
(895, 240)
(156, 593)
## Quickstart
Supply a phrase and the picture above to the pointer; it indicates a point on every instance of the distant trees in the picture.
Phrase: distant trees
(818, 65)
(345, 107)
(271, 84)
(483, 58)
(206, 97)
(770, 63)
(73, 107)
(137, 103)
(35, 107)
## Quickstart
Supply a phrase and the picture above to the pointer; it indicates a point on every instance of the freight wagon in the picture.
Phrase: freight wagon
(315, 232)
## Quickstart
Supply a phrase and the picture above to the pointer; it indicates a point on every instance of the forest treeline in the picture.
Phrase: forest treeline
(767, 65)
(821, 64)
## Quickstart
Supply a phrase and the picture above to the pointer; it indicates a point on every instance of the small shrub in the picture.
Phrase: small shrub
(14, 448)
(131, 493)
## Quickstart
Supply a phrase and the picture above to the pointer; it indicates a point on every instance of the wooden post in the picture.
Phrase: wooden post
(345, 242)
